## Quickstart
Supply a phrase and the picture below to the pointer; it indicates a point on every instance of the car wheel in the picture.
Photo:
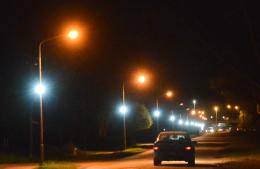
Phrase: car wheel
(191, 162)
(156, 161)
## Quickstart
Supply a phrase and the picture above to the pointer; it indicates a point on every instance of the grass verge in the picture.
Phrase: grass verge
(12, 158)
(108, 155)
(81, 156)
(57, 165)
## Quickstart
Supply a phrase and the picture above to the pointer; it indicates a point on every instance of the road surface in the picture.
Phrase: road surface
(210, 151)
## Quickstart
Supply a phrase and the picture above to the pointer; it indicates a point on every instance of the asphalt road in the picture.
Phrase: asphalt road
(209, 153)
(211, 150)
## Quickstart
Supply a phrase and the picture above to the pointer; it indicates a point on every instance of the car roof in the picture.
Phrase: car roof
(173, 132)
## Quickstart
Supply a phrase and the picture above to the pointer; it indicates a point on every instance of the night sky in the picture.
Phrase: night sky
(185, 45)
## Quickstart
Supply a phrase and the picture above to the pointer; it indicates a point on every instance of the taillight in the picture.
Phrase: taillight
(155, 148)
(188, 148)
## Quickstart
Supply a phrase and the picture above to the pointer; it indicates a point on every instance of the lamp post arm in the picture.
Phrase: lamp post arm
(51, 39)
(40, 52)
(123, 93)
(157, 103)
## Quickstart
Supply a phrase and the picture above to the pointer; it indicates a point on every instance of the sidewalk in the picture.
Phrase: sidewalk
(18, 166)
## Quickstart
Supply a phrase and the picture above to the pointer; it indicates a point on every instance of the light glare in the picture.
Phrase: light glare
(193, 112)
(141, 79)
(172, 118)
(157, 113)
(73, 34)
(229, 106)
(194, 101)
(180, 122)
(123, 109)
(169, 94)
(39, 89)
(216, 108)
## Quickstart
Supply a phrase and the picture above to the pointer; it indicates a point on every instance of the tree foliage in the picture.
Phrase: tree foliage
(245, 119)
(142, 118)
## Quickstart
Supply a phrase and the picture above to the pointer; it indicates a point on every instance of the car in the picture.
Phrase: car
(210, 130)
(174, 146)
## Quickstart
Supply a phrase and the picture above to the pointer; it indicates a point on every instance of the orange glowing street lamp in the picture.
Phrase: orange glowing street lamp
(228, 106)
(236, 107)
(141, 79)
(73, 34)
(169, 94)
(216, 110)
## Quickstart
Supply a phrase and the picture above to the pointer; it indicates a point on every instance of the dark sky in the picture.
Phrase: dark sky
(184, 44)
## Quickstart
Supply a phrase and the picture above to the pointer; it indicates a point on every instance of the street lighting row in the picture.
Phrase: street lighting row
(181, 122)
(191, 123)
(228, 106)
(187, 122)
(141, 79)
(216, 109)
(236, 107)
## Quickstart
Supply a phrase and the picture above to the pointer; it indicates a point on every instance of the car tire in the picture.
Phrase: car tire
(156, 161)
(191, 162)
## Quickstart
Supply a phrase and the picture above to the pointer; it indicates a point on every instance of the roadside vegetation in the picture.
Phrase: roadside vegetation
(107, 155)
(91, 155)
(57, 165)
(81, 155)
(12, 158)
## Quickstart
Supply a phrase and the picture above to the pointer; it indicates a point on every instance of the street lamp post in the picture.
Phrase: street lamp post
(216, 110)
(72, 35)
(172, 119)
(41, 106)
(141, 79)
(194, 104)
(168, 94)
(157, 115)
(123, 100)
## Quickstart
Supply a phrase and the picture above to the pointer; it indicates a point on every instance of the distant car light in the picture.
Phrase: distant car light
(220, 130)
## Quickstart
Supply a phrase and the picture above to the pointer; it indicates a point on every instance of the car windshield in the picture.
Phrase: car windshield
(172, 137)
